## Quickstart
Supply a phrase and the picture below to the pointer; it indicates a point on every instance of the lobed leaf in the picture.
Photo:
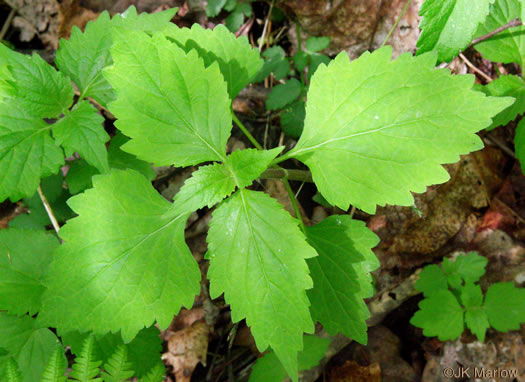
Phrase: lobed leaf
(505, 306)
(337, 296)
(431, 280)
(86, 365)
(123, 264)
(24, 258)
(118, 369)
(56, 367)
(257, 259)
(175, 110)
(377, 129)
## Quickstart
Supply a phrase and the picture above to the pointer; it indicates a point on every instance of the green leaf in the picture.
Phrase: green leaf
(373, 133)
(122, 160)
(519, 144)
(11, 372)
(505, 306)
(507, 46)
(477, 321)
(81, 131)
(315, 61)
(214, 7)
(440, 315)
(257, 259)
(238, 61)
(56, 367)
(284, 94)
(431, 280)
(300, 60)
(79, 176)
(24, 258)
(316, 44)
(268, 367)
(234, 21)
(175, 110)
(471, 295)
(28, 343)
(118, 369)
(230, 5)
(84, 55)
(448, 26)
(38, 86)
(337, 296)
(6, 80)
(282, 69)
(292, 119)
(507, 86)
(156, 374)
(120, 243)
(27, 151)
(146, 22)
(86, 366)
(211, 184)
(467, 267)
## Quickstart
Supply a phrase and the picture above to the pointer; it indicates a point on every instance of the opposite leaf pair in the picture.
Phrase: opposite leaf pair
(453, 298)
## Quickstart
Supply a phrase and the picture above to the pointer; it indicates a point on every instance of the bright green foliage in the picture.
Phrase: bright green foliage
(147, 22)
(316, 44)
(505, 306)
(373, 132)
(238, 61)
(26, 149)
(79, 176)
(120, 243)
(175, 110)
(6, 89)
(156, 374)
(11, 372)
(211, 184)
(275, 63)
(507, 86)
(257, 259)
(268, 367)
(86, 366)
(519, 144)
(447, 26)
(84, 55)
(143, 352)
(440, 315)
(81, 131)
(123, 160)
(38, 85)
(467, 268)
(283, 94)
(118, 369)
(507, 46)
(337, 296)
(56, 367)
(24, 258)
(28, 343)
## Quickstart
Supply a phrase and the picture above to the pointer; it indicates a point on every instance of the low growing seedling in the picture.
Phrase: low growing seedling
(453, 299)
(375, 130)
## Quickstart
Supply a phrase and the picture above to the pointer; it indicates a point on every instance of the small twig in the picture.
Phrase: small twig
(265, 28)
(295, 204)
(474, 68)
(49, 211)
(396, 23)
(245, 131)
(501, 145)
(514, 23)
(279, 173)
(7, 23)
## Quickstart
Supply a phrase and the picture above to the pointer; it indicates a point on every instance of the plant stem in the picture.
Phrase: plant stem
(7, 23)
(250, 137)
(295, 204)
(279, 173)
(49, 211)
(511, 24)
(474, 68)
(396, 23)
(265, 28)
(299, 48)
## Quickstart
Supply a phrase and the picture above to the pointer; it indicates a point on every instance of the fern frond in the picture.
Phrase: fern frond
(117, 368)
(56, 367)
(12, 374)
(86, 366)
(156, 374)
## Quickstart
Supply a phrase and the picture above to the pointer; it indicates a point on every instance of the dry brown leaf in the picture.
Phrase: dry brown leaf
(351, 371)
(186, 348)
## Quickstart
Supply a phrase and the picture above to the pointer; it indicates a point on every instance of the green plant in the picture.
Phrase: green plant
(375, 130)
(239, 10)
(453, 299)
